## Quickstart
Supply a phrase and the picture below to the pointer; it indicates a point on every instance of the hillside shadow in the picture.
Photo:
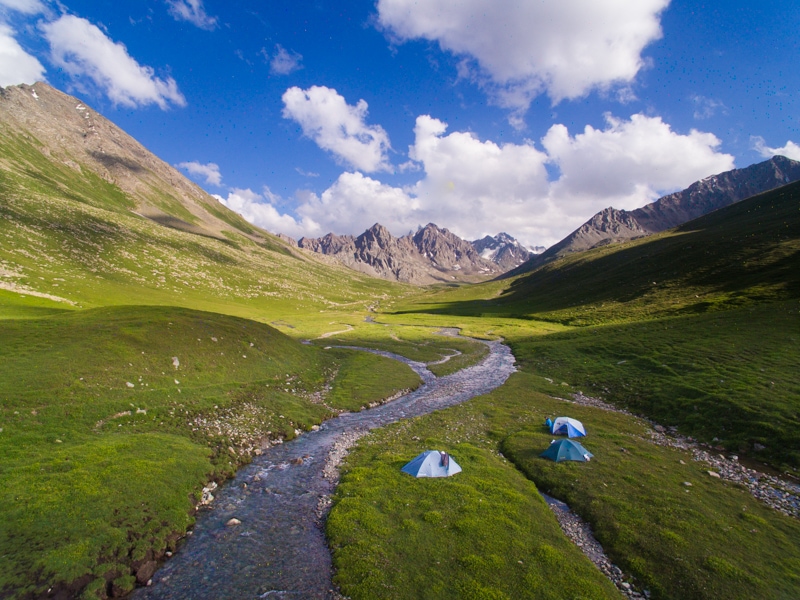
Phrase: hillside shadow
(749, 249)
(111, 161)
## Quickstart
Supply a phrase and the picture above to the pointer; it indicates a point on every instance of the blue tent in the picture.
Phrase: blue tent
(566, 450)
(569, 427)
(432, 463)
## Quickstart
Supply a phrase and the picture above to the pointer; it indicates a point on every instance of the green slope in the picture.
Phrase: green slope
(112, 420)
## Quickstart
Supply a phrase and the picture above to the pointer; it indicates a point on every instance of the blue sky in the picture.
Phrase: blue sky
(481, 115)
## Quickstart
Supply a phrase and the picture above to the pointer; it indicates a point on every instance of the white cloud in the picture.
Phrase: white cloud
(16, 65)
(334, 125)
(209, 171)
(705, 108)
(28, 7)
(258, 210)
(83, 50)
(193, 12)
(285, 62)
(470, 183)
(476, 187)
(523, 49)
(355, 202)
(789, 150)
(629, 163)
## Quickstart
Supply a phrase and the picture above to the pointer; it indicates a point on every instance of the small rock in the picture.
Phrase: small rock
(297, 461)
(146, 571)
(681, 461)
(714, 474)
(233, 522)
(687, 484)
(129, 384)
(175, 362)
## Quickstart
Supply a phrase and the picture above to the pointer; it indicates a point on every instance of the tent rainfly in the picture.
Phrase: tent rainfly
(566, 450)
(569, 427)
(432, 463)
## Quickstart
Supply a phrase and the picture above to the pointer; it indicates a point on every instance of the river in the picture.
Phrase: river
(279, 548)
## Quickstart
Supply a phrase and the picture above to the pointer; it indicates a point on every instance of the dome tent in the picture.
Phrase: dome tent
(566, 450)
(569, 427)
(432, 463)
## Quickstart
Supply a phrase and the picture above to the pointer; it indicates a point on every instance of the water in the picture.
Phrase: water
(279, 549)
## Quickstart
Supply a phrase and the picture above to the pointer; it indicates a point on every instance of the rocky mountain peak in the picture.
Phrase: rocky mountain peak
(432, 254)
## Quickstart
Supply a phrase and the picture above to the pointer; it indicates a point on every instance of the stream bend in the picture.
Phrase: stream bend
(279, 548)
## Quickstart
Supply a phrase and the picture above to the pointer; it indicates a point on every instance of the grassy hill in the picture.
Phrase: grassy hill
(696, 327)
(113, 419)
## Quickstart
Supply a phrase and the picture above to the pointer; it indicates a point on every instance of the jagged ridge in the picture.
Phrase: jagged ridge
(432, 254)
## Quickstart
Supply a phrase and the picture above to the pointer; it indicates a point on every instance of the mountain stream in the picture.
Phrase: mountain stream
(276, 548)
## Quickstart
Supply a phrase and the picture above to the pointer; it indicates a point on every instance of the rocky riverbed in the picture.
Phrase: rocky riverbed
(579, 532)
(777, 493)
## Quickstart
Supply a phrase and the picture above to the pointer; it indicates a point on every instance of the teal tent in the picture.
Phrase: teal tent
(432, 463)
(566, 450)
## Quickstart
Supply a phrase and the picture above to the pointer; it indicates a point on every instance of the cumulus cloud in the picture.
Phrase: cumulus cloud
(259, 210)
(284, 62)
(355, 202)
(522, 49)
(193, 12)
(209, 171)
(338, 127)
(83, 50)
(477, 187)
(789, 150)
(629, 163)
(479, 182)
(16, 65)
(28, 7)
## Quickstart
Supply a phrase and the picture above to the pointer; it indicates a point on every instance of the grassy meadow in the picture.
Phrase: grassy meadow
(488, 528)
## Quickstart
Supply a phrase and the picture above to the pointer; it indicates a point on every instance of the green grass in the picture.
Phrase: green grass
(710, 540)
(727, 377)
(714, 541)
(365, 379)
(105, 443)
(484, 533)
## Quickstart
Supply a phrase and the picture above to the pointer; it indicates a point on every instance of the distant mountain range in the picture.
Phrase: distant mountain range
(702, 197)
(430, 255)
